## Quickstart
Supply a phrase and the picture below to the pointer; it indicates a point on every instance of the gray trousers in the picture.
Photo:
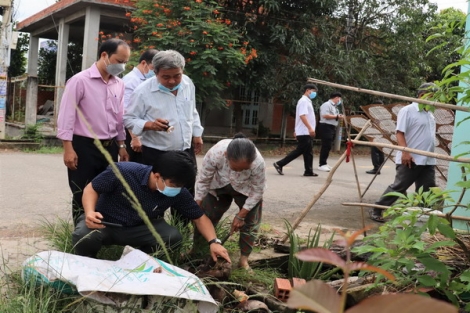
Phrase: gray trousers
(421, 175)
(87, 242)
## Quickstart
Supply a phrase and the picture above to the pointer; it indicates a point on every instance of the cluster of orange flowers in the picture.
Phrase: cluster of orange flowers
(147, 11)
(139, 20)
(186, 8)
(252, 55)
(223, 21)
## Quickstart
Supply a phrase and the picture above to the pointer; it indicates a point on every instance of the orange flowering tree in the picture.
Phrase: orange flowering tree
(213, 49)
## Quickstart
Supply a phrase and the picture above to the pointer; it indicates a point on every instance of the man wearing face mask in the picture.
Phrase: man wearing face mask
(92, 107)
(156, 187)
(139, 74)
(304, 132)
(329, 119)
(163, 111)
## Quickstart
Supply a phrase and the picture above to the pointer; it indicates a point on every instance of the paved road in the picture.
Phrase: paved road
(34, 187)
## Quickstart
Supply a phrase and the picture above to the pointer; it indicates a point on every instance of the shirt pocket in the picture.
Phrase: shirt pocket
(186, 109)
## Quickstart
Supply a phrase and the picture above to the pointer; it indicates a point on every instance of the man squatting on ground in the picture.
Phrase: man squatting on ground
(157, 188)
(233, 170)
(416, 129)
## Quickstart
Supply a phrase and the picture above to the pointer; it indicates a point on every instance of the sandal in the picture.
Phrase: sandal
(375, 217)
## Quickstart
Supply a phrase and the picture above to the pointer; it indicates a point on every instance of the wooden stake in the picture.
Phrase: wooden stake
(406, 149)
(391, 95)
(327, 183)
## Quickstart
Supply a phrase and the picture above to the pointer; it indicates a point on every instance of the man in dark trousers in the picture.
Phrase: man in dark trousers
(416, 129)
(156, 187)
(304, 132)
(329, 119)
(376, 155)
(92, 107)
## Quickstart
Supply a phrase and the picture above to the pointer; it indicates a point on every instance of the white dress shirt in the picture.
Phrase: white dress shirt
(148, 103)
(131, 80)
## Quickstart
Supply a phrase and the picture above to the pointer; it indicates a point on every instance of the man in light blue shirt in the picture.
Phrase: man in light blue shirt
(134, 78)
(329, 119)
(416, 129)
(163, 111)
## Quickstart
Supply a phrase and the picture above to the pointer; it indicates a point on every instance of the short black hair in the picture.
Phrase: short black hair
(177, 166)
(110, 46)
(241, 149)
(148, 55)
(310, 86)
(335, 94)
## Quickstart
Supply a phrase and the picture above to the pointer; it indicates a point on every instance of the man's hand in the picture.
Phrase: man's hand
(70, 159)
(407, 159)
(159, 124)
(311, 132)
(123, 155)
(93, 220)
(136, 145)
(197, 143)
(219, 250)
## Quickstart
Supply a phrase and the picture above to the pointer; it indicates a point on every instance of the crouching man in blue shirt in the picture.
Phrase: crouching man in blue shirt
(157, 188)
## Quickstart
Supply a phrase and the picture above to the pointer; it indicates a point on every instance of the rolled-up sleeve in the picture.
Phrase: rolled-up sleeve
(66, 119)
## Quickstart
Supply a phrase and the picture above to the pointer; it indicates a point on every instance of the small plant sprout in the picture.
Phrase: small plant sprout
(317, 296)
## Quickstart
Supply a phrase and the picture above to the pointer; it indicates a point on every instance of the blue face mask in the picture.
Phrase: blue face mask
(339, 102)
(163, 88)
(150, 74)
(169, 191)
(312, 95)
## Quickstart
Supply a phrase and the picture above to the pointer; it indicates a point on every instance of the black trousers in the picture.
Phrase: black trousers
(304, 148)
(327, 133)
(91, 162)
(87, 242)
(133, 156)
(377, 157)
(421, 175)
(151, 155)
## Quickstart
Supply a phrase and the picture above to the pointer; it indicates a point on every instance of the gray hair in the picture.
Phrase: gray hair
(168, 59)
(427, 88)
(241, 149)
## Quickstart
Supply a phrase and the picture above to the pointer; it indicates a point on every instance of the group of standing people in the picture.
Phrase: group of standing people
(149, 118)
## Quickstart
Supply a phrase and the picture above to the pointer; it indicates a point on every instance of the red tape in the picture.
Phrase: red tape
(349, 146)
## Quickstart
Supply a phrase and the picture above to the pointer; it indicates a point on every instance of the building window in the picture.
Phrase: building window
(249, 101)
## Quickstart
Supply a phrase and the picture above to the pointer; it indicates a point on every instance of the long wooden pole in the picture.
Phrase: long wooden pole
(327, 183)
(391, 95)
(420, 152)
(384, 207)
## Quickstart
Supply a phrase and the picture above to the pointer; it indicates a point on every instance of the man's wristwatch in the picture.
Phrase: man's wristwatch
(215, 240)
(123, 146)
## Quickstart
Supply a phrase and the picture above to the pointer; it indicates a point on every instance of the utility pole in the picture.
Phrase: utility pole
(5, 41)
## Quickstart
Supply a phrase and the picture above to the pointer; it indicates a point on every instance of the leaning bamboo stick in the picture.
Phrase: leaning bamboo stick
(391, 95)
(384, 207)
(327, 183)
(406, 149)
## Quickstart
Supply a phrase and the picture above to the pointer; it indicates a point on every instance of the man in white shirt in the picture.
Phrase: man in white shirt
(163, 111)
(304, 132)
(329, 118)
(134, 78)
(416, 129)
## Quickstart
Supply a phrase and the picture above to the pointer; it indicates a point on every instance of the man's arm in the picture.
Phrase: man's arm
(406, 158)
(205, 227)
(89, 200)
(311, 130)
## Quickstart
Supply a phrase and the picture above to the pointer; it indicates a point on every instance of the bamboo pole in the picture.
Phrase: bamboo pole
(406, 149)
(325, 186)
(384, 207)
(391, 95)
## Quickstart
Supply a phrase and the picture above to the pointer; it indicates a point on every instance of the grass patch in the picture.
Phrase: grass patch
(45, 150)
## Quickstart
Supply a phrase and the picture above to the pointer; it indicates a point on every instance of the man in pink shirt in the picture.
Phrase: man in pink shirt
(92, 107)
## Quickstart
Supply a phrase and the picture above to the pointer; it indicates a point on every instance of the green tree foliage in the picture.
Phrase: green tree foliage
(18, 58)
(214, 51)
(47, 62)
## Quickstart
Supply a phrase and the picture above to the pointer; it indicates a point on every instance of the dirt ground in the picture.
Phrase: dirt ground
(34, 188)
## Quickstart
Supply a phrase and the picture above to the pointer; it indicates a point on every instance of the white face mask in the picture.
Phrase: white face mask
(115, 69)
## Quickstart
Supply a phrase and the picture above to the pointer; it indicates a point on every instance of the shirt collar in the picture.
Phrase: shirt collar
(138, 73)
(95, 73)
